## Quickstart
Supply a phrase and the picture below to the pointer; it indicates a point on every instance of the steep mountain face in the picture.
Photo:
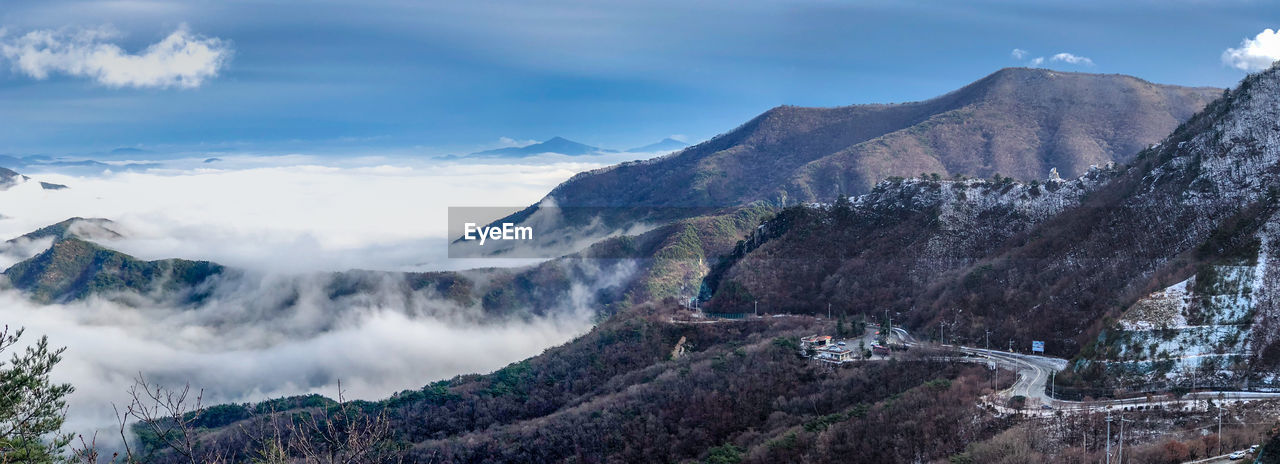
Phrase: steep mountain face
(1059, 267)
(1221, 325)
(559, 145)
(887, 248)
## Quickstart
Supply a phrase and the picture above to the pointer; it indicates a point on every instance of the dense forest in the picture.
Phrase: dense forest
(642, 388)
(1019, 261)
(1057, 261)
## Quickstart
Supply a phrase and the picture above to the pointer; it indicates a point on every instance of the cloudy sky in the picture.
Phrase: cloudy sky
(415, 77)
(347, 96)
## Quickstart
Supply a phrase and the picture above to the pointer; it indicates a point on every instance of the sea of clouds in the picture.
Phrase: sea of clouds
(281, 219)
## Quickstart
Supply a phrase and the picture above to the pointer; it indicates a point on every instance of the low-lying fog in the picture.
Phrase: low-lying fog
(280, 216)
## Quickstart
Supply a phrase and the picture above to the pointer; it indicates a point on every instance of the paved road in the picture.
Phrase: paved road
(1223, 459)
(1034, 373)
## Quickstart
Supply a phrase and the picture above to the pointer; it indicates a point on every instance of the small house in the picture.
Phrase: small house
(835, 354)
(815, 342)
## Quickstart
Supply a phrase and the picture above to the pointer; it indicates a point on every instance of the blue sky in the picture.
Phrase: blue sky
(430, 77)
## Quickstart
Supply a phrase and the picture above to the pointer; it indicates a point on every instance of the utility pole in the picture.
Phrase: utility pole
(1219, 429)
(1052, 386)
(1108, 435)
(1084, 432)
(757, 308)
(1122, 421)
(988, 339)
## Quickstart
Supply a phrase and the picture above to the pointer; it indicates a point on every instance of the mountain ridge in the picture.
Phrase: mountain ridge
(555, 144)
(1200, 204)
(790, 155)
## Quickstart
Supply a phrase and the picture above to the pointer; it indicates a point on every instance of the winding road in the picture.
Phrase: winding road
(1034, 373)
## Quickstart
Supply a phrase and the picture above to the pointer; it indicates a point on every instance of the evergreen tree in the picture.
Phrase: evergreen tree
(32, 408)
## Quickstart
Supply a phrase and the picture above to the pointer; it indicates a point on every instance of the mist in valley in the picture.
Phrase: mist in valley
(286, 227)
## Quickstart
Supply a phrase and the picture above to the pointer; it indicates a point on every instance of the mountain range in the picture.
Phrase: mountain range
(1017, 122)
(1065, 118)
(563, 146)
(1157, 238)
(1124, 268)
(68, 166)
(1156, 273)
(559, 145)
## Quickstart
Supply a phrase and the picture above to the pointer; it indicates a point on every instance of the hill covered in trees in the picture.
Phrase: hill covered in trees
(1059, 261)
(1016, 122)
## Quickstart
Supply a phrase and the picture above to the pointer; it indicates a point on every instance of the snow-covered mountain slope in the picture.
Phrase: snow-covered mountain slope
(1164, 260)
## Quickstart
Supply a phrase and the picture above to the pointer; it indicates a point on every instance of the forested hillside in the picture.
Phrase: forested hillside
(1016, 122)
(1058, 261)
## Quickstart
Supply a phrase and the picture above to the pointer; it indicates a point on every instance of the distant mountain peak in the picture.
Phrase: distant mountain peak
(555, 144)
(666, 144)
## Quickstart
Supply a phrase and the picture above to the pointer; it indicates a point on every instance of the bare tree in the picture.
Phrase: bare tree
(341, 433)
(168, 415)
(170, 419)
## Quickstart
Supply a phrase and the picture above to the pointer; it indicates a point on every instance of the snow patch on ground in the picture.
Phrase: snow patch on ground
(1165, 309)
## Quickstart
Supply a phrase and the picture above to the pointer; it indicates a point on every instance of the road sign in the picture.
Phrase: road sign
(1037, 346)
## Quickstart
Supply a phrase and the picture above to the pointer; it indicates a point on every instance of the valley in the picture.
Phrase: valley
(676, 305)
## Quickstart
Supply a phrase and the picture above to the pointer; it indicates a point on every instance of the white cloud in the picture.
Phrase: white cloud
(374, 351)
(280, 218)
(294, 213)
(1254, 54)
(1072, 59)
(1064, 57)
(182, 59)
